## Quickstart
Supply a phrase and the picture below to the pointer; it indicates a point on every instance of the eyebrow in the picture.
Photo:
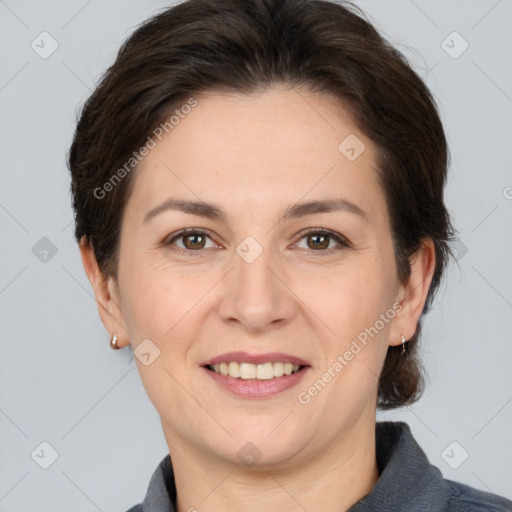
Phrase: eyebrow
(215, 212)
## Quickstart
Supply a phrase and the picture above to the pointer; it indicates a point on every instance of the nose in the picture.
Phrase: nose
(257, 295)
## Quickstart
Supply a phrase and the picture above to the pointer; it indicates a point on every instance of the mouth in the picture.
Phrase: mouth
(248, 371)
(256, 376)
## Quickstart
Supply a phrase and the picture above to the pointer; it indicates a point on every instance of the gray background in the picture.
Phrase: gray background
(61, 383)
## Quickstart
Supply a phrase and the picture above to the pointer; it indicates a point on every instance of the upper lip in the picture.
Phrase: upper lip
(244, 357)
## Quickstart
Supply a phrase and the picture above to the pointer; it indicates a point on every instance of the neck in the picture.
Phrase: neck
(334, 479)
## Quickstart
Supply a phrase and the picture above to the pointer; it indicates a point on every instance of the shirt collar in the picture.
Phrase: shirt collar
(407, 481)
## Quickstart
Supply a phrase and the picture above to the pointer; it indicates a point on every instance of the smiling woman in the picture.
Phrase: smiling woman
(271, 254)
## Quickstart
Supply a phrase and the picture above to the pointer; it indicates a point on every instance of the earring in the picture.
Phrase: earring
(403, 344)
(113, 343)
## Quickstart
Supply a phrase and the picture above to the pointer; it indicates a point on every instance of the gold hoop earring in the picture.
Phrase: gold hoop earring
(403, 344)
(113, 343)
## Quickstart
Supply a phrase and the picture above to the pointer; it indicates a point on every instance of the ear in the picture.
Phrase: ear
(106, 293)
(413, 294)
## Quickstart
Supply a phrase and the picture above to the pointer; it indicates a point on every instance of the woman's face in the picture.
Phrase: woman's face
(253, 286)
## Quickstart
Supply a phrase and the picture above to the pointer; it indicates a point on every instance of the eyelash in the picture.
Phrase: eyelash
(343, 242)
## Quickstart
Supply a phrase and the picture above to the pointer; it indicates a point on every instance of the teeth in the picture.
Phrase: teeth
(265, 371)
(246, 371)
(278, 369)
(234, 369)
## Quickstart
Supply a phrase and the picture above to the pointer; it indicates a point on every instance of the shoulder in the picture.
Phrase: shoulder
(408, 481)
(468, 499)
(136, 508)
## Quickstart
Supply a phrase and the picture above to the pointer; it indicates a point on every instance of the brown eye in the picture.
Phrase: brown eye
(193, 241)
(190, 241)
(319, 240)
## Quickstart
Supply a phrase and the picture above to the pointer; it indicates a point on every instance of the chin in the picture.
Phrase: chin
(264, 442)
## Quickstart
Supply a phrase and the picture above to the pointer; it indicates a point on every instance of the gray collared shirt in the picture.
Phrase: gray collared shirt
(407, 482)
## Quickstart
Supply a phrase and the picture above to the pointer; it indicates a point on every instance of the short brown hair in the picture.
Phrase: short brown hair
(246, 46)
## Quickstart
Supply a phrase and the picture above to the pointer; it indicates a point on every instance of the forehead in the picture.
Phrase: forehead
(275, 146)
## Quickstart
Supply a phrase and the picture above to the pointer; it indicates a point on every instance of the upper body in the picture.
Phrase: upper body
(407, 482)
(258, 192)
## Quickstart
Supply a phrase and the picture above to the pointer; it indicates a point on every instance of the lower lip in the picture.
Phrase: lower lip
(250, 388)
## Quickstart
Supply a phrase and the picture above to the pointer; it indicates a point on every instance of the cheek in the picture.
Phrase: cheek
(159, 299)
(349, 300)
(356, 309)
(162, 299)
(161, 308)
